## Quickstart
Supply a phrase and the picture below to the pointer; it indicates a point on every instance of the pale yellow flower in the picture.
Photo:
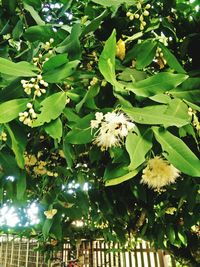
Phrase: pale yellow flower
(171, 210)
(50, 213)
(158, 173)
(121, 49)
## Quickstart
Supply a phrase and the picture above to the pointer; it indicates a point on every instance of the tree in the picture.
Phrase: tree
(104, 94)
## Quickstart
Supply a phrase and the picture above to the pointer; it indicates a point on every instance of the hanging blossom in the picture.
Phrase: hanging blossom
(112, 128)
(159, 173)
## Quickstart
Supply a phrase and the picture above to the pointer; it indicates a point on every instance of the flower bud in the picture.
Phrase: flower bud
(146, 13)
(148, 6)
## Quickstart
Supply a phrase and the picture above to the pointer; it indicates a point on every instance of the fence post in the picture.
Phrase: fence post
(161, 258)
(19, 251)
(27, 252)
(6, 254)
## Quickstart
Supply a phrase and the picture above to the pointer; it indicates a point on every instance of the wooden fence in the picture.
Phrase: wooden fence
(101, 254)
(20, 252)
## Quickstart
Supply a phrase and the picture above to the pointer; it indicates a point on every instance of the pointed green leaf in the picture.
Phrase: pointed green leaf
(54, 129)
(21, 69)
(140, 50)
(88, 99)
(107, 62)
(171, 233)
(154, 115)
(171, 59)
(115, 176)
(40, 33)
(177, 152)
(79, 136)
(188, 90)
(17, 148)
(159, 83)
(178, 109)
(21, 186)
(112, 2)
(51, 108)
(46, 227)
(9, 110)
(59, 74)
(183, 238)
(137, 146)
(34, 14)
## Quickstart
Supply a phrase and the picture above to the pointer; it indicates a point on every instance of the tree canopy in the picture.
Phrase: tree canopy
(99, 120)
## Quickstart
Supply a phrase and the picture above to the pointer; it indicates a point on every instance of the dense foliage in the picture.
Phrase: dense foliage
(99, 119)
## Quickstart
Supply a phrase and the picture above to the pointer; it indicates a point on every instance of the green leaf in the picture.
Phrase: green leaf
(137, 146)
(183, 238)
(8, 163)
(189, 90)
(95, 23)
(40, 33)
(154, 115)
(17, 148)
(107, 59)
(81, 132)
(18, 30)
(34, 3)
(88, 99)
(171, 233)
(55, 62)
(159, 83)
(79, 136)
(177, 152)
(54, 129)
(141, 50)
(171, 59)
(21, 186)
(132, 75)
(178, 109)
(193, 106)
(59, 74)
(9, 110)
(34, 14)
(112, 2)
(107, 62)
(21, 69)
(161, 98)
(46, 227)
(116, 175)
(51, 108)
(68, 152)
(71, 45)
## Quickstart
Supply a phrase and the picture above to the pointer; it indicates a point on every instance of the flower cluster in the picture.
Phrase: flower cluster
(39, 167)
(171, 210)
(121, 49)
(159, 173)
(27, 117)
(37, 84)
(140, 14)
(112, 129)
(3, 136)
(45, 52)
(47, 45)
(160, 58)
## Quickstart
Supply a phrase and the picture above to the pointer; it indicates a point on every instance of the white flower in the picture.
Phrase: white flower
(50, 213)
(159, 173)
(99, 116)
(113, 128)
(94, 124)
